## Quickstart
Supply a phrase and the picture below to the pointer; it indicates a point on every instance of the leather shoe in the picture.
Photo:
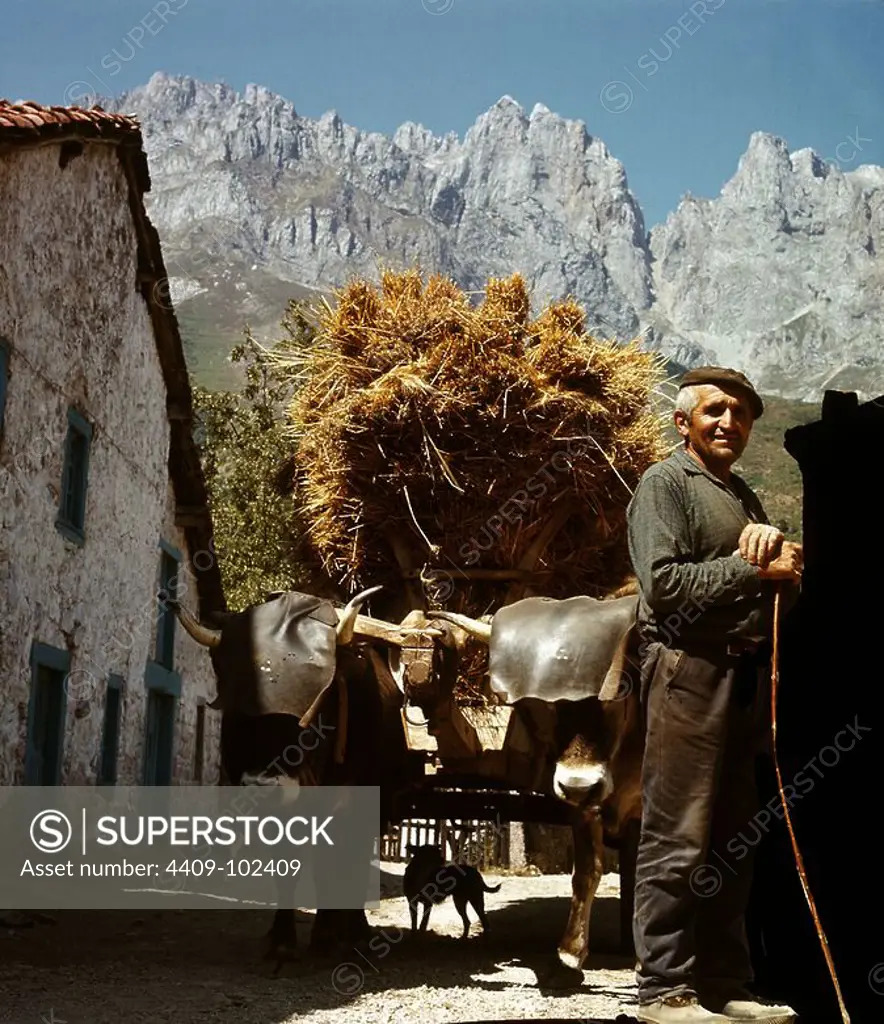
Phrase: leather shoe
(759, 1011)
(678, 1009)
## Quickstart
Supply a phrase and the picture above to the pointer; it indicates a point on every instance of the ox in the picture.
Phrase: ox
(298, 701)
(572, 667)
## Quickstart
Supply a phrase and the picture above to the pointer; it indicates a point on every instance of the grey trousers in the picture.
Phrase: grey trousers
(705, 719)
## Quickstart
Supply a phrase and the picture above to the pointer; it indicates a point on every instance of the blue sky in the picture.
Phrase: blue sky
(674, 88)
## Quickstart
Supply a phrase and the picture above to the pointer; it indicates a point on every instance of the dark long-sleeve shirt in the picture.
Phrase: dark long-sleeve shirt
(684, 525)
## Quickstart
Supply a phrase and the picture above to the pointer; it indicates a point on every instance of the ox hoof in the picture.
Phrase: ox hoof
(561, 977)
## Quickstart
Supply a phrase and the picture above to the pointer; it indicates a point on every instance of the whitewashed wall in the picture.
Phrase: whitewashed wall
(80, 333)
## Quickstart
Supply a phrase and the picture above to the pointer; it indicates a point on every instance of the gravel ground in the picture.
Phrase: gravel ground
(195, 966)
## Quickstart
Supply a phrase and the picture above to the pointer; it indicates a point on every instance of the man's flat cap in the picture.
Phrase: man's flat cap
(721, 375)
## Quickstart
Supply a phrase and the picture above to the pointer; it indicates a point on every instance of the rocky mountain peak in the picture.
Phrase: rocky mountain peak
(868, 176)
(415, 138)
(178, 93)
(762, 171)
(312, 201)
(505, 119)
(778, 275)
(507, 105)
(259, 96)
(806, 163)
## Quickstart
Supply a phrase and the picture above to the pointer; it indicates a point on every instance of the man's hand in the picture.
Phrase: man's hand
(760, 544)
(788, 565)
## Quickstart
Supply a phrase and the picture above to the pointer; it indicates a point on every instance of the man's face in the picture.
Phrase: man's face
(719, 426)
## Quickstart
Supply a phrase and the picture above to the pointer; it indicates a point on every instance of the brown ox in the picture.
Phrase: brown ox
(572, 667)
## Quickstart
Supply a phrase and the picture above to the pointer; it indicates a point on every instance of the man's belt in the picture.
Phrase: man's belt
(734, 647)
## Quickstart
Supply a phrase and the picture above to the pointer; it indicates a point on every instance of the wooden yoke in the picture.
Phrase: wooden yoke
(411, 664)
(416, 665)
(416, 677)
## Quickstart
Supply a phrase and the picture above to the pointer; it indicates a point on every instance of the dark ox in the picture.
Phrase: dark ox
(298, 702)
(572, 666)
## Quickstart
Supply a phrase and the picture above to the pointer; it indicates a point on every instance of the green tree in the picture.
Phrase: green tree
(244, 449)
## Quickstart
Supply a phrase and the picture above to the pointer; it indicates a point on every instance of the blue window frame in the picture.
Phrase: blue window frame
(110, 736)
(71, 520)
(170, 562)
(162, 682)
(4, 377)
(47, 712)
(159, 738)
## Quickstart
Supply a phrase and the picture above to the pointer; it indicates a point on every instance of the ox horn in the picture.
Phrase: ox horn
(202, 634)
(347, 615)
(474, 627)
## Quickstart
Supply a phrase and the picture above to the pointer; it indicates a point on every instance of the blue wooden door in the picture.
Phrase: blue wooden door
(159, 738)
(110, 738)
(45, 727)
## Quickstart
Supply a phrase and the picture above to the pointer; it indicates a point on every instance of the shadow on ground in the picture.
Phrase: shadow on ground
(92, 967)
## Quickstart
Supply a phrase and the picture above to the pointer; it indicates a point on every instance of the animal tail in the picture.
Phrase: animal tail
(491, 888)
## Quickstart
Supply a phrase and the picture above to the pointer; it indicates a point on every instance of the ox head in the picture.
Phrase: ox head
(211, 638)
(583, 743)
(568, 664)
(279, 656)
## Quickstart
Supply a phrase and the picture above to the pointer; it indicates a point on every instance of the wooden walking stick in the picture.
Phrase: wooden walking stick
(774, 679)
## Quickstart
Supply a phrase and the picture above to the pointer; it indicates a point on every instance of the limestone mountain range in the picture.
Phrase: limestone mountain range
(779, 275)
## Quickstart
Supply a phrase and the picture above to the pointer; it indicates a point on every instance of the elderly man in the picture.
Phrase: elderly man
(707, 562)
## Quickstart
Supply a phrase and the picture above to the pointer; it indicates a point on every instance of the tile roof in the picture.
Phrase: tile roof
(30, 121)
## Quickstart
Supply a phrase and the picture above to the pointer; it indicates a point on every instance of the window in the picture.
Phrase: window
(46, 715)
(71, 519)
(4, 377)
(170, 560)
(159, 738)
(199, 746)
(162, 682)
(110, 737)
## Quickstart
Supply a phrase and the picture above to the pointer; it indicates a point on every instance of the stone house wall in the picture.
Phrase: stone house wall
(78, 334)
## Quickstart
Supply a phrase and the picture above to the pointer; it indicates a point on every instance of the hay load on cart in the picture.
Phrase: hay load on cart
(466, 455)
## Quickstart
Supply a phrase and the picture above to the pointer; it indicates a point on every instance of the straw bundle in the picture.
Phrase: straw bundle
(449, 437)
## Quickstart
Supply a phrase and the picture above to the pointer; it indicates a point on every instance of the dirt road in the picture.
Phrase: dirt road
(206, 967)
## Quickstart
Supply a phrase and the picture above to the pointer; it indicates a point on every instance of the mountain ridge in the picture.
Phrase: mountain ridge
(777, 275)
